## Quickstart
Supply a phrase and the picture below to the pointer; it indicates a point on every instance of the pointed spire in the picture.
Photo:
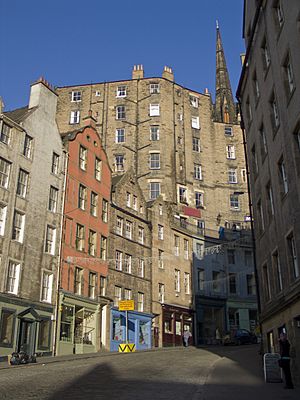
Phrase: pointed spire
(224, 103)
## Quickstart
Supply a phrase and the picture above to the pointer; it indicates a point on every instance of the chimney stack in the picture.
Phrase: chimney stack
(168, 74)
(89, 120)
(138, 72)
(43, 95)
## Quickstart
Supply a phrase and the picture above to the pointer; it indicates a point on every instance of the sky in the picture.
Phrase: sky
(72, 42)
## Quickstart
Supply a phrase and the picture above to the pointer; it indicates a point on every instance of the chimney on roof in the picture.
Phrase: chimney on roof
(89, 120)
(42, 95)
(206, 92)
(1, 105)
(168, 73)
(138, 72)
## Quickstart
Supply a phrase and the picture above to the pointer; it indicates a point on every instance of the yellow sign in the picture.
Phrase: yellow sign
(126, 305)
(127, 348)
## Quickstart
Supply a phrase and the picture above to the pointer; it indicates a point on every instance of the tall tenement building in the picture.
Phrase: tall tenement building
(269, 92)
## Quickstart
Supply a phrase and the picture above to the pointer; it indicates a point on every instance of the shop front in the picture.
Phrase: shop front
(139, 329)
(175, 320)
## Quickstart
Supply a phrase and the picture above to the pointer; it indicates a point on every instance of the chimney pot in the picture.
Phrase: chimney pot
(138, 71)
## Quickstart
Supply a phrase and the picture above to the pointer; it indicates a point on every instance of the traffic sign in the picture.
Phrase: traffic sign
(126, 348)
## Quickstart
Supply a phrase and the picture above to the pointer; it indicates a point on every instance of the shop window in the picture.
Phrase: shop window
(67, 316)
(44, 334)
(7, 326)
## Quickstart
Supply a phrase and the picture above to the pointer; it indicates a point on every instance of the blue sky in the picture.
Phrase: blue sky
(81, 41)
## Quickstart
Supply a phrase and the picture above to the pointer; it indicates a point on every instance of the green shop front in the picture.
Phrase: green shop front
(78, 325)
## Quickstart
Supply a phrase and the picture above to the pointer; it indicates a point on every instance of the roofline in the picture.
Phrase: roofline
(128, 80)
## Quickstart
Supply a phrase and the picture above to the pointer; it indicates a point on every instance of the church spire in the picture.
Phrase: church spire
(224, 105)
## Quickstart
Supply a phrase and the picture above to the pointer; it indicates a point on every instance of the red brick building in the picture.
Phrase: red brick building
(82, 305)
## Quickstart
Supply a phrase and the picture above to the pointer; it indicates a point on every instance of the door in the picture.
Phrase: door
(27, 336)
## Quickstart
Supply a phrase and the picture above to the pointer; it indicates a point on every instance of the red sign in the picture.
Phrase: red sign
(192, 212)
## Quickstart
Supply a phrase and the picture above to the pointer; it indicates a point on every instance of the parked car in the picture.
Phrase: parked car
(239, 336)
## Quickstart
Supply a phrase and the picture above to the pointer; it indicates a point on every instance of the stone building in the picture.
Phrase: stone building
(31, 182)
(83, 311)
(130, 267)
(269, 93)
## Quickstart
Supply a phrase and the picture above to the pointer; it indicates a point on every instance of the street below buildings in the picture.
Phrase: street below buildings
(227, 373)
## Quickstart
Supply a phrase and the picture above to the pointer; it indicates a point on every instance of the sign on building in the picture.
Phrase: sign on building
(271, 367)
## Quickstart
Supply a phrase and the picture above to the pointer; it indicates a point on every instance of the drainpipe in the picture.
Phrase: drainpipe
(59, 257)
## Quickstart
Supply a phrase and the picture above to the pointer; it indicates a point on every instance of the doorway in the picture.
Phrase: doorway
(26, 336)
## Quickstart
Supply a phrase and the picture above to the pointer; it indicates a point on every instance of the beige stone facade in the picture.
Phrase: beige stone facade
(270, 96)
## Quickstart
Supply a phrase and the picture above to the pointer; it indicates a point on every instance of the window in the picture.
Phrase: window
(22, 183)
(78, 281)
(121, 91)
(103, 283)
(244, 175)
(256, 87)
(154, 110)
(120, 112)
(94, 204)
(160, 259)
(261, 219)
(154, 190)
(228, 130)
(82, 158)
(186, 248)
(50, 240)
(231, 256)
(127, 294)
(199, 199)
(66, 329)
(289, 75)
(4, 172)
(186, 281)
(234, 202)
(18, 227)
(92, 243)
(279, 20)
(3, 209)
(154, 160)
(251, 287)
(76, 96)
(92, 285)
(141, 268)
(55, 163)
(134, 203)
(270, 201)
(294, 261)
(154, 88)
(232, 283)
(117, 295)
(254, 160)
(53, 195)
(160, 232)
(154, 132)
(47, 285)
(249, 110)
(140, 301)
(120, 135)
(82, 196)
(230, 152)
(194, 101)
(97, 93)
(98, 169)
(119, 226)
(176, 245)
(103, 247)
(119, 257)
(128, 229)
(5, 133)
(216, 284)
(141, 237)
(195, 123)
(104, 210)
(7, 325)
(274, 113)
(263, 142)
(199, 250)
(160, 209)
(200, 227)
(28, 147)
(75, 117)
(283, 177)
(80, 237)
(161, 292)
(277, 270)
(119, 163)
(128, 199)
(197, 172)
(182, 195)
(201, 279)
(13, 277)
(177, 280)
(232, 175)
(266, 281)
(196, 144)
(266, 56)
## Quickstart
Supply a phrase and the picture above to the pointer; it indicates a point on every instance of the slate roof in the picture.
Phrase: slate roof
(20, 114)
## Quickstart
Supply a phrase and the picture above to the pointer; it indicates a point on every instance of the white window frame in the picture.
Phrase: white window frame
(22, 185)
(92, 243)
(13, 277)
(234, 201)
(232, 175)
(76, 96)
(80, 237)
(5, 133)
(230, 152)
(119, 225)
(161, 292)
(177, 280)
(199, 199)
(128, 199)
(176, 245)
(154, 110)
(154, 160)
(182, 193)
(140, 301)
(120, 112)
(119, 259)
(55, 163)
(82, 158)
(120, 135)
(5, 167)
(47, 287)
(75, 117)
(134, 203)
(117, 295)
(194, 101)
(18, 230)
(94, 204)
(141, 268)
(187, 285)
(127, 294)
(121, 91)
(128, 229)
(154, 190)
(198, 172)
(154, 88)
(195, 122)
(119, 162)
(160, 232)
(127, 263)
(196, 145)
(154, 133)
(28, 146)
(3, 211)
(53, 198)
(98, 169)
(141, 235)
(50, 239)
